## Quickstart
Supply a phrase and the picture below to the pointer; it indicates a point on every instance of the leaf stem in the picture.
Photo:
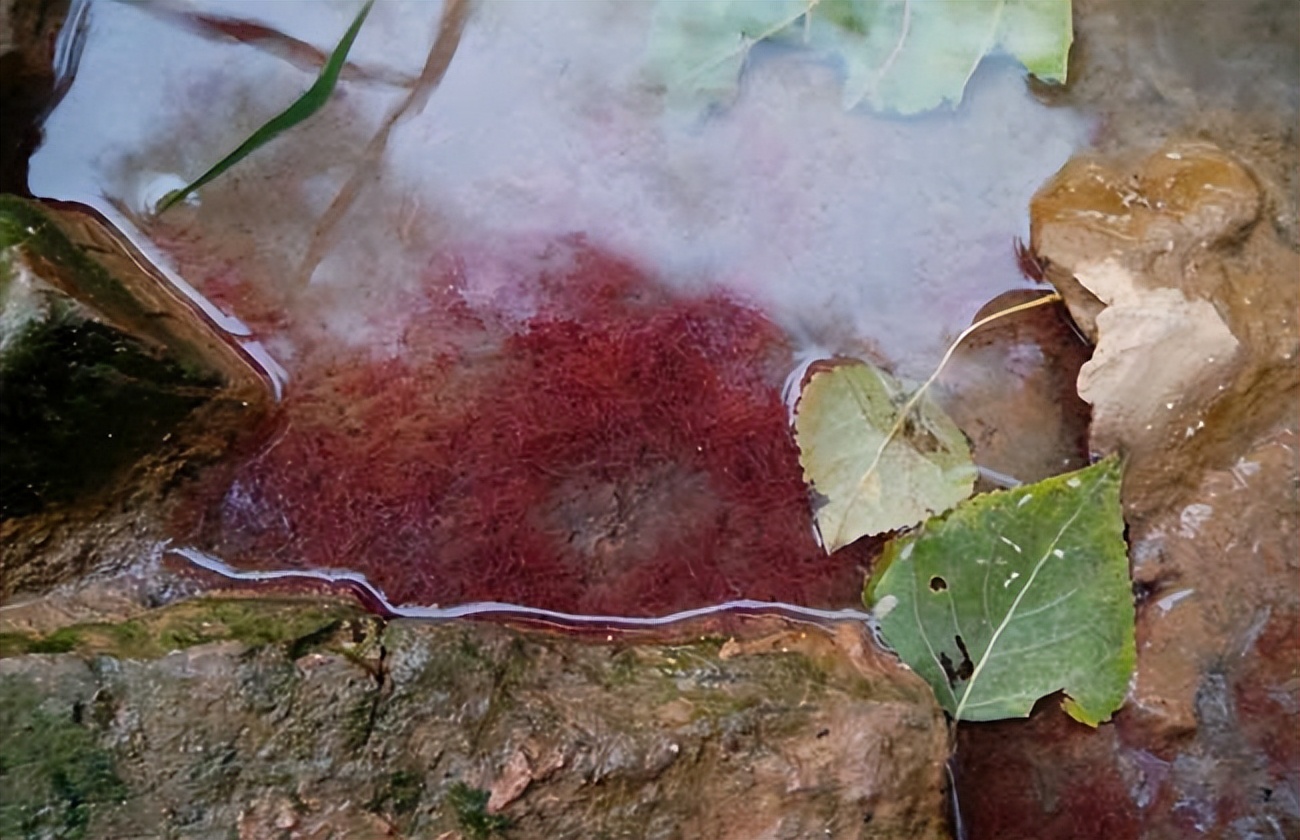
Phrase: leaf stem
(920, 392)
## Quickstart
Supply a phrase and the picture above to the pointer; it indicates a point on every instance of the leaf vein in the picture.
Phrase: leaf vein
(1037, 645)
(1049, 605)
(1047, 553)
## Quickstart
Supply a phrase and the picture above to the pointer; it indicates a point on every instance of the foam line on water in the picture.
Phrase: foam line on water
(496, 608)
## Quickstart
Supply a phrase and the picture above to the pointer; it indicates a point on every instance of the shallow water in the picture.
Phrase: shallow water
(852, 233)
(847, 229)
(410, 336)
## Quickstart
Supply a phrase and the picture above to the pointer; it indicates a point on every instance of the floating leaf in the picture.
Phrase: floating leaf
(906, 56)
(874, 471)
(1015, 595)
(306, 105)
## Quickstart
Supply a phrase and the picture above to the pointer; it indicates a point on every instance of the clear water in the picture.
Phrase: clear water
(851, 233)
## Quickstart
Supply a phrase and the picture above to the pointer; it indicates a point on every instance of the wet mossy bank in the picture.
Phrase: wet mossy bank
(287, 718)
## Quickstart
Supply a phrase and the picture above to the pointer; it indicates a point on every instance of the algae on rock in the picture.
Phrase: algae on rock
(109, 384)
(468, 727)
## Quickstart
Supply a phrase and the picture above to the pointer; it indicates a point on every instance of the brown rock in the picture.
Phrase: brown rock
(469, 728)
(1210, 572)
(28, 33)
(1192, 302)
(1190, 299)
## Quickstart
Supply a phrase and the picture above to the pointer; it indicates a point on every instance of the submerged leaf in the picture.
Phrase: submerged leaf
(306, 105)
(875, 474)
(699, 48)
(1015, 595)
(906, 56)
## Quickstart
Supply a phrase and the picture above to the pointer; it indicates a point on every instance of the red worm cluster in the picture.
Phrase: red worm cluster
(619, 450)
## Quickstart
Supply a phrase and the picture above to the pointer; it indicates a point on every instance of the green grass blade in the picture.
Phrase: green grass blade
(306, 105)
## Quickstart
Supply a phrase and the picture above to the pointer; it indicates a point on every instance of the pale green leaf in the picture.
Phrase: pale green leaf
(1038, 33)
(1015, 595)
(906, 56)
(699, 47)
(872, 473)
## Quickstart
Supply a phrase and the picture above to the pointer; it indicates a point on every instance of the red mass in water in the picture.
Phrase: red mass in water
(621, 450)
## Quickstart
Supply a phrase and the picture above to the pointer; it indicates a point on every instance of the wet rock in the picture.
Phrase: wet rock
(1166, 264)
(1204, 746)
(1220, 72)
(344, 726)
(110, 386)
(1191, 302)
(28, 31)
(1010, 386)
(1217, 575)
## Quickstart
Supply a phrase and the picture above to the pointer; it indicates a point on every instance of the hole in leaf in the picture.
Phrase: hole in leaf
(961, 672)
(1144, 590)
(938, 584)
(967, 667)
(921, 436)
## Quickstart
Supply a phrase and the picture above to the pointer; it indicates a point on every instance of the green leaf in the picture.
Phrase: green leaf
(306, 105)
(699, 47)
(906, 56)
(873, 472)
(1015, 595)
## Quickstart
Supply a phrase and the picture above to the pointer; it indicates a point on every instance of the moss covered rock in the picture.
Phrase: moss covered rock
(108, 380)
(284, 718)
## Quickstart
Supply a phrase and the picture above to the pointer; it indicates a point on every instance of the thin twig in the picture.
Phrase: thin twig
(297, 52)
(450, 27)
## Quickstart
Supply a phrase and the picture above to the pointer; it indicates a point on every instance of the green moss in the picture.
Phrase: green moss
(254, 624)
(399, 795)
(300, 624)
(715, 689)
(23, 224)
(359, 722)
(624, 668)
(85, 397)
(60, 641)
(19, 221)
(470, 806)
(52, 773)
(454, 660)
(83, 402)
(14, 644)
(130, 638)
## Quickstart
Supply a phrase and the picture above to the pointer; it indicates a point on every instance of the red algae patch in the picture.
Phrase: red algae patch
(605, 447)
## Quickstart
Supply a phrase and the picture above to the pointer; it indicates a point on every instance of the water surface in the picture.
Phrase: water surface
(539, 359)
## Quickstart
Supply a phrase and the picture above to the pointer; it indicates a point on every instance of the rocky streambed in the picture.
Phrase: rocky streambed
(141, 696)
(284, 718)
